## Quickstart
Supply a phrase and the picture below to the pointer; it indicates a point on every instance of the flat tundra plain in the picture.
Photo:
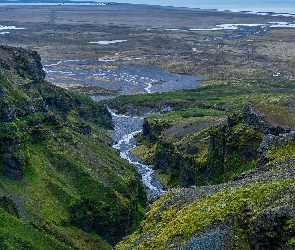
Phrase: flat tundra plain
(182, 40)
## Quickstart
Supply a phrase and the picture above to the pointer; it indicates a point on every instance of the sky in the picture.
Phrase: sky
(278, 6)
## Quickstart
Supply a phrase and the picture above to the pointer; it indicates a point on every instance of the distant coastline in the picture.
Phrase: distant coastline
(283, 8)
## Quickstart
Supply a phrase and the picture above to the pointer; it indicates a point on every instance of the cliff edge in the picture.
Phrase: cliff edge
(62, 185)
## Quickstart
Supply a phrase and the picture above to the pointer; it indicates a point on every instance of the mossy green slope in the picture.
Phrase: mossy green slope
(257, 210)
(62, 186)
(206, 139)
(240, 133)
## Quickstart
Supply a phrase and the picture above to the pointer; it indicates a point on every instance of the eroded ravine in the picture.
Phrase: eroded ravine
(126, 127)
(125, 80)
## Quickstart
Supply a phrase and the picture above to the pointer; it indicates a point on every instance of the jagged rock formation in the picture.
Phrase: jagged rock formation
(25, 63)
(207, 150)
(255, 210)
(234, 143)
(258, 121)
(62, 185)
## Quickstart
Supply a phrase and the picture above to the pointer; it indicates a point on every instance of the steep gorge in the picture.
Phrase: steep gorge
(251, 202)
(62, 185)
(233, 149)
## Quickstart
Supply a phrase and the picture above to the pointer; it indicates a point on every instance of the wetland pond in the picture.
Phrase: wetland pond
(121, 80)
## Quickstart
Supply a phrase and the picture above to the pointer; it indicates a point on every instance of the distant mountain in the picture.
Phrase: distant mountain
(53, 1)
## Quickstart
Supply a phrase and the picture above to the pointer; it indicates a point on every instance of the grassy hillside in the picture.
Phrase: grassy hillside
(233, 141)
(61, 185)
(254, 213)
(209, 137)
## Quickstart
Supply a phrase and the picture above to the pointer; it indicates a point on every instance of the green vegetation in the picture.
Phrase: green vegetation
(16, 234)
(212, 136)
(164, 223)
(228, 96)
(61, 185)
(204, 139)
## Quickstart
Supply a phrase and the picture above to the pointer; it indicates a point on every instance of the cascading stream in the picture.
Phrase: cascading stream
(126, 127)
(123, 80)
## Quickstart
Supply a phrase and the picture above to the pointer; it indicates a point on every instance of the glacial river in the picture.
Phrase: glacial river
(126, 80)
(126, 127)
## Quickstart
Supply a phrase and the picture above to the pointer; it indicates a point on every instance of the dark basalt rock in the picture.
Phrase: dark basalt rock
(258, 121)
(268, 228)
(43, 106)
(3, 93)
(13, 161)
(26, 63)
(9, 206)
(7, 112)
(58, 103)
(14, 167)
(24, 110)
(270, 142)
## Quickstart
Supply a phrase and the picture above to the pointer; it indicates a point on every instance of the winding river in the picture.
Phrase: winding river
(126, 127)
(126, 80)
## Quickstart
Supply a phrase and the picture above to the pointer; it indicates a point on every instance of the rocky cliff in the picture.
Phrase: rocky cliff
(62, 185)
(251, 208)
(228, 149)
(205, 150)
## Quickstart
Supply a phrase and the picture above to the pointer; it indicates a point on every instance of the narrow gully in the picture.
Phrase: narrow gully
(126, 127)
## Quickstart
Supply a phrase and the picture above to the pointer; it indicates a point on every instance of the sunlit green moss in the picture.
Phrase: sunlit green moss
(15, 234)
(69, 171)
(146, 153)
(282, 152)
(193, 217)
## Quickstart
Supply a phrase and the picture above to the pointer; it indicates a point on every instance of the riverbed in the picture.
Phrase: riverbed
(126, 127)
(122, 80)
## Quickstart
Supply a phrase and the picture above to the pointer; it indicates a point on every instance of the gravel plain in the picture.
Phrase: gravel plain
(178, 39)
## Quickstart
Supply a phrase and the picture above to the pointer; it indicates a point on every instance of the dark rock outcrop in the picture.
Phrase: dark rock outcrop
(25, 63)
(7, 111)
(57, 168)
(271, 142)
(258, 121)
(3, 93)
(8, 205)
(14, 167)
(268, 228)
(13, 161)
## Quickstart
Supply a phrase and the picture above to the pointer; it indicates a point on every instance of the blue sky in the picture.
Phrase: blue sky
(287, 6)
(279, 6)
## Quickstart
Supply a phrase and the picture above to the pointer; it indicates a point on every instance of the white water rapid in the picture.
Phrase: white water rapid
(126, 127)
